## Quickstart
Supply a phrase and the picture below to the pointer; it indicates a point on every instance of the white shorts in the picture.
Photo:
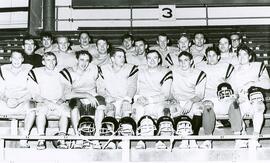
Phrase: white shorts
(154, 110)
(119, 110)
(21, 109)
(53, 109)
(195, 110)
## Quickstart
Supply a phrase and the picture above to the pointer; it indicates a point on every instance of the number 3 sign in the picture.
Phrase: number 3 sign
(167, 12)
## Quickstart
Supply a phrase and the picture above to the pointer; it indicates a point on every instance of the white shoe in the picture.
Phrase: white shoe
(254, 143)
(207, 144)
(240, 144)
(184, 144)
(160, 145)
(24, 144)
(193, 144)
(120, 145)
(140, 145)
(78, 144)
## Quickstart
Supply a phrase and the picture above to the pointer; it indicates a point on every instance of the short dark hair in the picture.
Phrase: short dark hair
(29, 38)
(84, 52)
(46, 54)
(185, 53)
(159, 55)
(46, 35)
(246, 49)
(82, 32)
(212, 48)
(183, 35)
(127, 35)
(102, 38)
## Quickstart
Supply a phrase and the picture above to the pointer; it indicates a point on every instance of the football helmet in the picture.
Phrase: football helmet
(224, 90)
(127, 126)
(146, 126)
(165, 125)
(183, 125)
(255, 94)
(109, 126)
(86, 126)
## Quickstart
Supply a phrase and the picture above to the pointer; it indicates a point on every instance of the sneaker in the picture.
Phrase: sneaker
(184, 144)
(140, 145)
(219, 124)
(78, 144)
(254, 143)
(62, 144)
(96, 144)
(160, 145)
(240, 144)
(24, 144)
(207, 144)
(41, 145)
(111, 145)
(193, 144)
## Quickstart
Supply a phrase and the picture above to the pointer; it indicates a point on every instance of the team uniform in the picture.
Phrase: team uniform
(136, 59)
(48, 85)
(82, 83)
(101, 60)
(125, 88)
(216, 74)
(186, 85)
(255, 72)
(168, 55)
(198, 55)
(42, 50)
(230, 58)
(131, 51)
(65, 59)
(155, 86)
(92, 49)
(14, 86)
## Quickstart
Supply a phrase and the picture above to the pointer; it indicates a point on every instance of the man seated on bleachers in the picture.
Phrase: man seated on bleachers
(153, 87)
(14, 95)
(65, 56)
(139, 57)
(218, 98)
(85, 44)
(47, 44)
(47, 92)
(247, 80)
(102, 57)
(165, 50)
(236, 40)
(30, 57)
(226, 56)
(124, 76)
(198, 48)
(128, 44)
(187, 91)
(81, 93)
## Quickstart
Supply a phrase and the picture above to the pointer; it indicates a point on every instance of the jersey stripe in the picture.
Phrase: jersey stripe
(100, 72)
(32, 75)
(1, 74)
(229, 71)
(133, 71)
(200, 77)
(68, 76)
(169, 59)
(166, 77)
(262, 68)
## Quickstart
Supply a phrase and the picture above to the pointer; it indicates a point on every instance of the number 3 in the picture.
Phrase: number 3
(168, 13)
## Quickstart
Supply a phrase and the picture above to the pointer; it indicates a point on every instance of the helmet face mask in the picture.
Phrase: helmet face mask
(184, 128)
(126, 130)
(147, 127)
(166, 128)
(224, 91)
(107, 129)
(256, 97)
(86, 126)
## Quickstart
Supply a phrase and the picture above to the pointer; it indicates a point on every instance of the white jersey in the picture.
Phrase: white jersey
(46, 84)
(154, 84)
(131, 51)
(136, 59)
(166, 54)
(230, 58)
(101, 60)
(198, 55)
(92, 49)
(42, 50)
(65, 59)
(255, 72)
(14, 84)
(81, 82)
(216, 74)
(187, 84)
(118, 84)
